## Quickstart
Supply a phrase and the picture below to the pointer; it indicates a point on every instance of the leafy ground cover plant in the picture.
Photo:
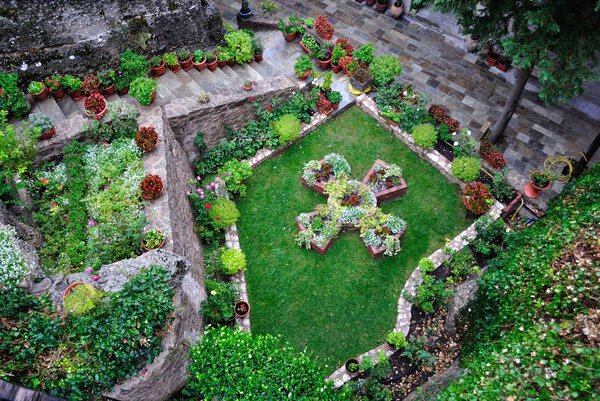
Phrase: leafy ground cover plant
(14, 267)
(425, 135)
(466, 168)
(287, 128)
(142, 89)
(233, 174)
(233, 261)
(385, 69)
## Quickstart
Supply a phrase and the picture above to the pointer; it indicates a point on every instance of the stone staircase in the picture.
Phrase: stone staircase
(279, 59)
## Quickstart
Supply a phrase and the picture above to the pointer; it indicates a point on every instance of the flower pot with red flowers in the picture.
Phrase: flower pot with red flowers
(292, 27)
(74, 86)
(95, 106)
(43, 125)
(303, 67)
(397, 9)
(199, 60)
(257, 48)
(38, 90)
(324, 56)
(170, 60)
(492, 59)
(345, 45)
(184, 57)
(107, 82)
(241, 309)
(324, 27)
(157, 66)
(477, 198)
(151, 186)
(91, 84)
(503, 64)
(348, 64)
(324, 105)
(381, 6)
(490, 153)
(146, 139)
(153, 239)
(248, 85)
(538, 182)
(55, 87)
(352, 365)
(211, 62)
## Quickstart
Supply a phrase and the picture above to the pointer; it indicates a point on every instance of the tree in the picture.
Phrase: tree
(559, 37)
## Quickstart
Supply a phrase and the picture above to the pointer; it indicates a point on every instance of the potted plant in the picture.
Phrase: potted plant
(538, 181)
(303, 67)
(361, 81)
(346, 62)
(241, 309)
(170, 60)
(248, 85)
(324, 27)
(151, 186)
(224, 57)
(492, 58)
(122, 83)
(79, 298)
(146, 139)
(364, 54)
(346, 45)
(38, 90)
(258, 49)
(291, 28)
(107, 82)
(335, 98)
(472, 43)
(245, 11)
(381, 6)
(74, 85)
(184, 57)
(211, 62)
(503, 63)
(153, 239)
(371, 2)
(324, 105)
(95, 105)
(199, 60)
(352, 365)
(490, 153)
(324, 56)
(54, 85)
(144, 90)
(43, 124)
(396, 340)
(337, 53)
(157, 66)
(91, 84)
(309, 22)
(477, 198)
(309, 44)
(397, 9)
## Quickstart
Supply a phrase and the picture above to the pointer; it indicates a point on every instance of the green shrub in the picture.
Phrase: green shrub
(72, 83)
(303, 64)
(223, 213)
(425, 135)
(13, 99)
(463, 264)
(234, 173)
(142, 89)
(365, 53)
(385, 69)
(397, 339)
(233, 261)
(81, 299)
(221, 298)
(287, 128)
(240, 45)
(466, 168)
(431, 294)
(133, 65)
(224, 363)
(426, 265)
(123, 119)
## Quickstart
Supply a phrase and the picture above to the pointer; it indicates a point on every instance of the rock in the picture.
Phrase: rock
(77, 36)
(436, 383)
(464, 293)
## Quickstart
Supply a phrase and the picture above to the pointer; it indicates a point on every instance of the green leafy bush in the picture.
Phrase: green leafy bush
(224, 363)
(240, 45)
(425, 135)
(221, 298)
(426, 265)
(133, 65)
(463, 263)
(234, 173)
(431, 294)
(12, 99)
(233, 261)
(287, 128)
(397, 339)
(142, 89)
(223, 213)
(81, 299)
(466, 168)
(303, 64)
(365, 53)
(385, 69)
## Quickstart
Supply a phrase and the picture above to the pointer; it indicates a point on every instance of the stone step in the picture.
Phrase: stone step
(234, 78)
(206, 79)
(51, 108)
(71, 108)
(191, 86)
(175, 84)
(265, 69)
(163, 93)
(249, 73)
(199, 79)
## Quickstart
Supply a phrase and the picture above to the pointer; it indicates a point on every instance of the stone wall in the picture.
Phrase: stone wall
(230, 107)
(80, 36)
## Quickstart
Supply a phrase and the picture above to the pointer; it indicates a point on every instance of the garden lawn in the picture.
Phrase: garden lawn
(343, 303)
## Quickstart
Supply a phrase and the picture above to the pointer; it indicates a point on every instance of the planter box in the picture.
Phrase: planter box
(387, 194)
(318, 186)
(313, 245)
(511, 206)
(377, 252)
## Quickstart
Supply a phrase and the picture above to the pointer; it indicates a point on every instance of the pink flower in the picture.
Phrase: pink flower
(96, 278)
(198, 178)
(91, 223)
(207, 186)
(251, 99)
(213, 184)
(147, 215)
(269, 108)
(107, 242)
(199, 190)
(89, 270)
(201, 196)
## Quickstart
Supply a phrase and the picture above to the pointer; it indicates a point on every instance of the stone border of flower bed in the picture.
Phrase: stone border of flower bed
(394, 192)
(232, 240)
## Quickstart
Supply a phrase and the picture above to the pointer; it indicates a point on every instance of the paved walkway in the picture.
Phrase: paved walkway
(473, 92)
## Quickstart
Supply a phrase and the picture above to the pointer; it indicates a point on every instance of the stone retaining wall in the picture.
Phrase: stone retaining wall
(230, 107)
(66, 131)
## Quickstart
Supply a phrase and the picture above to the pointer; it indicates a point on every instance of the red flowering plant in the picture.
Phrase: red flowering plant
(490, 153)
(54, 82)
(442, 117)
(151, 186)
(202, 200)
(324, 27)
(91, 84)
(324, 105)
(146, 139)
(477, 198)
(94, 104)
(346, 45)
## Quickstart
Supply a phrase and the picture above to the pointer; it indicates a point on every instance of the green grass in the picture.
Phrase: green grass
(343, 303)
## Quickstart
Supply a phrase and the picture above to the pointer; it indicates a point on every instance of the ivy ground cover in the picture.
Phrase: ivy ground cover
(343, 303)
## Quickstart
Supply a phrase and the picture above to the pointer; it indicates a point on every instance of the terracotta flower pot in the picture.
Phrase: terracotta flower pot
(305, 75)
(48, 134)
(248, 87)
(396, 11)
(70, 287)
(152, 97)
(212, 66)
(58, 94)
(327, 37)
(221, 63)
(231, 63)
(123, 92)
(289, 36)
(42, 95)
(152, 249)
(305, 49)
(335, 106)
(241, 309)
(381, 7)
(258, 57)
(98, 116)
(77, 95)
(175, 68)
(324, 64)
(532, 190)
(201, 65)
(160, 70)
(186, 64)
(335, 68)
(370, 2)
(492, 59)
(109, 91)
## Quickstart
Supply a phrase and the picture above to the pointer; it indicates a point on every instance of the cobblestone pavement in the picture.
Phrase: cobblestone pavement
(437, 64)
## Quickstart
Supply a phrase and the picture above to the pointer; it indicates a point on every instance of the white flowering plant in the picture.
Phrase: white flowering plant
(13, 268)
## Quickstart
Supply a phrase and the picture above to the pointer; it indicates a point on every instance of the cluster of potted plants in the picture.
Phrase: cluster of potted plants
(146, 139)
(499, 61)
(317, 172)
(151, 187)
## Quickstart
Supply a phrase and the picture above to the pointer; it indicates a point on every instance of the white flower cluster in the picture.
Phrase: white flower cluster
(13, 267)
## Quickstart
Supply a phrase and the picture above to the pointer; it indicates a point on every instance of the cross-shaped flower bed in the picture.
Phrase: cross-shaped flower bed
(352, 205)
